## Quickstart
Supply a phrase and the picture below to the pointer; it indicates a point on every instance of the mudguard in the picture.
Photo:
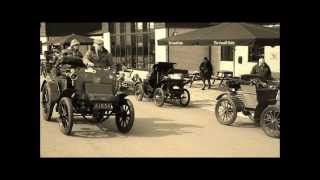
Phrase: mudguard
(55, 92)
(221, 95)
(121, 94)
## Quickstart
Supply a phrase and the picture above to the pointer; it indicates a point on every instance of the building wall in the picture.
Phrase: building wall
(187, 57)
(272, 58)
(160, 51)
(44, 47)
(215, 58)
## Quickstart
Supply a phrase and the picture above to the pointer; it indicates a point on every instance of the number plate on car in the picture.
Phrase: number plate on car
(103, 106)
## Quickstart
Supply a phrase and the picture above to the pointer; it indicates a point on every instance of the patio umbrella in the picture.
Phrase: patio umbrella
(67, 39)
(227, 34)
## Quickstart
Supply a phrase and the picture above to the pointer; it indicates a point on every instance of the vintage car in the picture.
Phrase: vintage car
(127, 80)
(81, 91)
(164, 84)
(254, 98)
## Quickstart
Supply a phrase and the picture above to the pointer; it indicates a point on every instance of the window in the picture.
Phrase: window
(255, 53)
(133, 44)
(227, 53)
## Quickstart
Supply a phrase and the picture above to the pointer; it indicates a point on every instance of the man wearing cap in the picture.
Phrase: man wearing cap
(98, 56)
(73, 49)
(262, 69)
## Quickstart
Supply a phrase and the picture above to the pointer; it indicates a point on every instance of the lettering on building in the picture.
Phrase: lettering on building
(224, 42)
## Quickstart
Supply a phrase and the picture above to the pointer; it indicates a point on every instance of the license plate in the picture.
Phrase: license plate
(103, 106)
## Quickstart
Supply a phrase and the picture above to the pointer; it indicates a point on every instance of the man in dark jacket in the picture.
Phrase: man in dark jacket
(262, 69)
(98, 56)
(206, 71)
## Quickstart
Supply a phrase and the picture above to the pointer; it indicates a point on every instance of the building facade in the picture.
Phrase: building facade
(134, 44)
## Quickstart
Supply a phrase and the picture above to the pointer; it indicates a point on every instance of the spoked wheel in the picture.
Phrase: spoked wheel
(66, 115)
(270, 121)
(226, 112)
(185, 98)
(46, 103)
(125, 116)
(159, 97)
(138, 91)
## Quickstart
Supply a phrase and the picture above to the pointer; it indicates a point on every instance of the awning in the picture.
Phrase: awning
(67, 39)
(226, 34)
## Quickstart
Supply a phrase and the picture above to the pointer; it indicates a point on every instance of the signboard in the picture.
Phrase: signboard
(175, 43)
(225, 43)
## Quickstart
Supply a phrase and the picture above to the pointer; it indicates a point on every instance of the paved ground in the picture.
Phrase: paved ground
(171, 131)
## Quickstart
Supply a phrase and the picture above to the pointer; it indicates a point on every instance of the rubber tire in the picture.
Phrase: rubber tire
(188, 94)
(233, 118)
(139, 88)
(47, 115)
(68, 103)
(263, 125)
(161, 92)
(130, 123)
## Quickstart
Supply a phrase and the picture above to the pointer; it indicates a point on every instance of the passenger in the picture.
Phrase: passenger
(98, 56)
(73, 49)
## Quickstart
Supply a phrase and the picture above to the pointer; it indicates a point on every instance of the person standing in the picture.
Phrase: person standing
(206, 71)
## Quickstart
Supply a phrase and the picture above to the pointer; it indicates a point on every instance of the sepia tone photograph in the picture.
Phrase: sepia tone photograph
(160, 89)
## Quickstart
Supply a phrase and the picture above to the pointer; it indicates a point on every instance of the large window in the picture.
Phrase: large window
(227, 53)
(255, 53)
(133, 44)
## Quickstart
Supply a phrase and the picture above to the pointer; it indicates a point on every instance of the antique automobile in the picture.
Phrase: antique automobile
(80, 91)
(254, 98)
(127, 81)
(164, 84)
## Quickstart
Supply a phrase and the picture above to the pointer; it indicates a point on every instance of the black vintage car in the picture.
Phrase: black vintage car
(82, 91)
(164, 84)
(254, 98)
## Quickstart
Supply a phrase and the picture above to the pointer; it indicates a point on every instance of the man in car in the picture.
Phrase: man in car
(98, 56)
(262, 69)
(73, 49)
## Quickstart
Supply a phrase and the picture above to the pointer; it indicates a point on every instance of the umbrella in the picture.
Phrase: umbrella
(227, 34)
(67, 39)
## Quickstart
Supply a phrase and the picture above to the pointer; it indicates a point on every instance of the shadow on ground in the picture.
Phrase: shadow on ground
(142, 127)
(157, 127)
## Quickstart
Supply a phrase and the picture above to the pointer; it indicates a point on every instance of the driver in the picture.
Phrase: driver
(98, 56)
(262, 69)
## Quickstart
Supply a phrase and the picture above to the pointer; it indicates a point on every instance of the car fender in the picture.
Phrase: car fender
(42, 85)
(55, 92)
(222, 95)
(121, 94)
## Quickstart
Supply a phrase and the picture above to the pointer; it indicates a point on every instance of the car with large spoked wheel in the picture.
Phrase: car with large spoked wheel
(165, 84)
(77, 90)
(253, 97)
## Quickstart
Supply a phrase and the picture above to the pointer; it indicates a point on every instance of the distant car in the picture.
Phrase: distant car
(254, 98)
(82, 91)
(164, 84)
